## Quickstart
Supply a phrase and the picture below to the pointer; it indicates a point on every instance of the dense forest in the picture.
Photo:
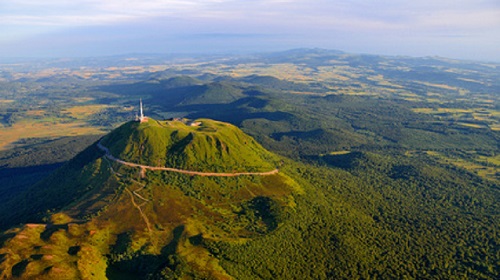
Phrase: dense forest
(398, 159)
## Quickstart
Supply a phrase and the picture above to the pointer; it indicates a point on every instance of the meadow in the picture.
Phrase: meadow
(389, 166)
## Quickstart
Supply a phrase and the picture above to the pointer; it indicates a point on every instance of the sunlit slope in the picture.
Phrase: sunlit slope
(201, 145)
(98, 218)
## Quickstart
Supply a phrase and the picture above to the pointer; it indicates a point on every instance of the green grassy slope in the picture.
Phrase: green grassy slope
(392, 182)
(85, 174)
(98, 219)
(210, 147)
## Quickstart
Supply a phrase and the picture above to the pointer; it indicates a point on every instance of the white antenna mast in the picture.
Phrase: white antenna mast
(141, 116)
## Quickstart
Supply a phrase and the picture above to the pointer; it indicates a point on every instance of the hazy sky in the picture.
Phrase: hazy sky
(467, 29)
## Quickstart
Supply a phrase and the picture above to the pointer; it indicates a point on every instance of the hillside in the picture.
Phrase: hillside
(201, 145)
(106, 218)
(389, 168)
(353, 215)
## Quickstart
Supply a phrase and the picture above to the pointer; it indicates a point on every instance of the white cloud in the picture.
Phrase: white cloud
(461, 19)
(312, 19)
(86, 12)
(372, 13)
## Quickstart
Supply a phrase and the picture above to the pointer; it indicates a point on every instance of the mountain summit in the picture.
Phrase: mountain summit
(202, 145)
(148, 201)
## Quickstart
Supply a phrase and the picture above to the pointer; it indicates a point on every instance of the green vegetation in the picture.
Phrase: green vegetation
(202, 145)
(20, 168)
(100, 217)
(352, 220)
(389, 169)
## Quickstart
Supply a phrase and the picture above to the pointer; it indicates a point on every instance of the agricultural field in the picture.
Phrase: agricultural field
(397, 160)
(484, 166)
(67, 98)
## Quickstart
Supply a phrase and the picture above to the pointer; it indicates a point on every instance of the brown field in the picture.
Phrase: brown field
(35, 113)
(31, 129)
(442, 86)
(80, 112)
(284, 71)
(83, 99)
(495, 127)
(471, 125)
(339, 153)
(489, 117)
(442, 110)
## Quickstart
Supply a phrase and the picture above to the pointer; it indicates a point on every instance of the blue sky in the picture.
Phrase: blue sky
(467, 29)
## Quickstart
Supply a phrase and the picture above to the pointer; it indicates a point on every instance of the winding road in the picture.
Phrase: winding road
(198, 173)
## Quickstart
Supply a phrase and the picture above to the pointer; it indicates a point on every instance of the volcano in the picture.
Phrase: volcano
(148, 201)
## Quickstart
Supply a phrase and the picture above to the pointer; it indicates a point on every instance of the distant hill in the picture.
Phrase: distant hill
(388, 169)
(178, 81)
(214, 93)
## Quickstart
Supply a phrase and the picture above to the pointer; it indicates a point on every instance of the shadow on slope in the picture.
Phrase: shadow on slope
(142, 266)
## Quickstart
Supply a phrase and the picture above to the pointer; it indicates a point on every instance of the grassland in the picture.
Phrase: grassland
(482, 117)
(13, 136)
(207, 146)
(45, 124)
(485, 167)
(339, 74)
(83, 112)
(129, 224)
(410, 191)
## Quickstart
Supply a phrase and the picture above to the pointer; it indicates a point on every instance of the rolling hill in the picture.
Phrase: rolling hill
(391, 171)
(96, 217)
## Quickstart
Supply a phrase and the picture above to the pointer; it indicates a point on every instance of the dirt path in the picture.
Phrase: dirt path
(144, 217)
(213, 174)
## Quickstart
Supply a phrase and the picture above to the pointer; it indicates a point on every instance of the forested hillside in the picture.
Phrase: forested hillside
(396, 160)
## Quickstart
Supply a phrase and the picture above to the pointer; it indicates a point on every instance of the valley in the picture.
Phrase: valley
(388, 167)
